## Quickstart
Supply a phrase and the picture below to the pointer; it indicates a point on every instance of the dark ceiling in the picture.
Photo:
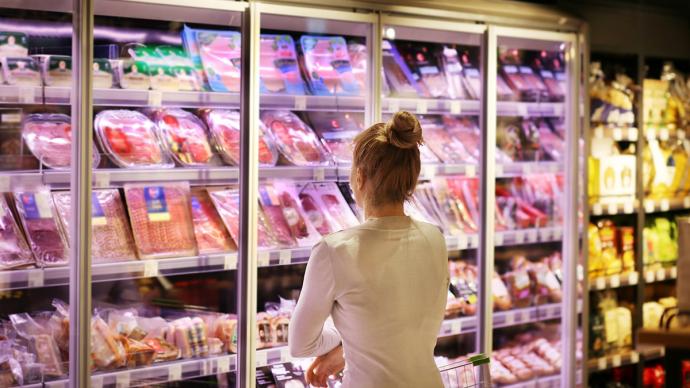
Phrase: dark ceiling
(681, 6)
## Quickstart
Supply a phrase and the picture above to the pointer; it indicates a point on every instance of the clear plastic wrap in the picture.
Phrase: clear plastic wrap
(273, 212)
(211, 234)
(107, 351)
(227, 203)
(129, 138)
(422, 61)
(111, 235)
(296, 141)
(325, 201)
(452, 68)
(161, 219)
(181, 66)
(286, 194)
(442, 142)
(42, 343)
(184, 136)
(37, 214)
(398, 76)
(14, 251)
(21, 71)
(49, 138)
(337, 130)
(220, 54)
(224, 126)
(327, 66)
(278, 69)
(191, 337)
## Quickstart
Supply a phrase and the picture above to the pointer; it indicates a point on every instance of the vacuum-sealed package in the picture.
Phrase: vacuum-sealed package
(444, 144)
(220, 54)
(517, 82)
(337, 130)
(49, 138)
(275, 217)
(14, 251)
(551, 143)
(278, 69)
(358, 59)
(398, 76)
(326, 208)
(283, 197)
(224, 126)
(211, 234)
(111, 235)
(504, 91)
(297, 143)
(56, 70)
(191, 337)
(21, 71)
(13, 44)
(422, 61)
(107, 352)
(556, 92)
(537, 87)
(181, 67)
(37, 214)
(103, 74)
(327, 66)
(184, 136)
(161, 219)
(129, 138)
(227, 203)
(452, 68)
(160, 70)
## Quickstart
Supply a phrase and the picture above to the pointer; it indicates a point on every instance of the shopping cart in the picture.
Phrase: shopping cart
(470, 373)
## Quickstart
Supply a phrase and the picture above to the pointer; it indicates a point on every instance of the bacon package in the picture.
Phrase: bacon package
(285, 193)
(297, 143)
(49, 137)
(220, 54)
(337, 130)
(14, 251)
(327, 66)
(278, 69)
(130, 140)
(161, 219)
(184, 136)
(37, 215)
(224, 126)
(227, 203)
(211, 234)
(465, 129)
(326, 208)
(110, 231)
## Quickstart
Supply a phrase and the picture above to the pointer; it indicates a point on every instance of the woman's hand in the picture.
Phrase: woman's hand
(325, 366)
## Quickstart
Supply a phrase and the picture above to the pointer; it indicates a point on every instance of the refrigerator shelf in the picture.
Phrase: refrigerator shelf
(666, 204)
(616, 133)
(661, 274)
(614, 361)
(613, 206)
(614, 281)
(553, 381)
(471, 107)
(15, 94)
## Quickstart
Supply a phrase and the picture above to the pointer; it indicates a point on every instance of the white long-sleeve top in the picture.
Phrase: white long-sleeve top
(385, 284)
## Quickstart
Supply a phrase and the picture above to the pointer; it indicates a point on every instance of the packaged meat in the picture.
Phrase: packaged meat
(445, 145)
(547, 289)
(463, 280)
(278, 69)
(224, 327)
(422, 60)
(164, 351)
(181, 67)
(297, 143)
(265, 333)
(41, 342)
(220, 54)
(358, 58)
(520, 287)
(337, 131)
(161, 219)
(211, 235)
(285, 195)
(56, 70)
(451, 207)
(227, 203)
(137, 353)
(191, 49)
(517, 82)
(13, 44)
(279, 329)
(37, 215)
(556, 92)
(330, 205)
(129, 138)
(110, 232)
(14, 251)
(500, 374)
(537, 87)
(184, 136)
(503, 90)
(518, 368)
(398, 75)
(466, 130)
(160, 70)
(452, 69)
(327, 66)
(107, 352)
(224, 126)
(49, 138)
(508, 139)
(21, 71)
(103, 74)
(502, 299)
(191, 337)
(550, 142)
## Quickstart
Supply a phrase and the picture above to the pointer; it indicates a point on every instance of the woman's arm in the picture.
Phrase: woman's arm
(308, 336)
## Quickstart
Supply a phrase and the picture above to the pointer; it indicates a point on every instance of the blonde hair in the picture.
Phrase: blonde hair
(388, 156)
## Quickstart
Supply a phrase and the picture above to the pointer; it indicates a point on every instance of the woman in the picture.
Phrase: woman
(384, 282)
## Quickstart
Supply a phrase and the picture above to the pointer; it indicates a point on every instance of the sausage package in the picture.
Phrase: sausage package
(297, 143)
(326, 208)
(285, 196)
(49, 138)
(14, 251)
(38, 216)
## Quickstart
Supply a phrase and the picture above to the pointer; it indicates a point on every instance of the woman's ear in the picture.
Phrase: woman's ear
(361, 179)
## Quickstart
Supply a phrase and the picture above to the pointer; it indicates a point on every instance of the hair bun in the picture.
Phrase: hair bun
(404, 131)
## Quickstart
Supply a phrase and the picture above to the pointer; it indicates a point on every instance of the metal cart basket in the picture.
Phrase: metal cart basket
(470, 373)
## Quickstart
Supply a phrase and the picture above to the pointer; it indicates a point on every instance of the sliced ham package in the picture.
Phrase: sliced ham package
(297, 143)
(337, 130)
(278, 69)
(443, 143)
(284, 196)
(327, 66)
(161, 219)
(227, 203)
(37, 214)
(111, 235)
(211, 234)
(224, 126)
(14, 251)
(326, 208)
(184, 136)
(220, 54)
(271, 205)
(49, 137)
(129, 138)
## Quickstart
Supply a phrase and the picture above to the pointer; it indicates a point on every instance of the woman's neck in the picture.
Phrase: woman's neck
(386, 210)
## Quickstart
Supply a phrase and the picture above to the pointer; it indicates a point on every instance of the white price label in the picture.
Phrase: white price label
(319, 174)
(5, 184)
(600, 283)
(498, 238)
(263, 258)
(680, 134)
(285, 257)
(545, 234)
(155, 98)
(649, 206)
(205, 368)
(661, 275)
(596, 209)
(558, 110)
(662, 352)
(634, 357)
(26, 94)
(455, 327)
(300, 102)
(686, 202)
(649, 134)
(462, 241)
(428, 172)
(617, 134)
(673, 272)
(122, 380)
(101, 179)
(519, 237)
(223, 365)
(499, 170)
(35, 278)
(422, 107)
(633, 278)
(522, 109)
(96, 381)
(523, 316)
(649, 277)
(393, 105)
(474, 241)
(527, 168)
(616, 361)
(664, 134)
(455, 108)
(664, 205)
(510, 318)
(628, 207)
(174, 372)
(150, 268)
(285, 354)
(556, 312)
(632, 134)
(580, 273)
(612, 209)
(557, 234)
(230, 262)
(261, 358)
(531, 235)
(11, 118)
(601, 363)
(599, 132)
(615, 281)
(470, 170)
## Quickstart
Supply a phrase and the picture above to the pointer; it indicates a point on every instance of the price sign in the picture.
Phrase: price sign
(319, 174)
(101, 179)
(649, 206)
(300, 102)
(96, 381)
(615, 281)
(474, 241)
(175, 372)
(665, 205)
(462, 241)
(661, 275)
(470, 170)
(428, 172)
(545, 234)
(35, 278)
(612, 209)
(557, 234)
(510, 318)
(122, 380)
(601, 363)
(628, 207)
(596, 209)
(522, 110)
(223, 365)
(649, 277)
(455, 108)
(285, 257)
(616, 361)
(633, 278)
(150, 268)
(263, 258)
(230, 262)
(600, 283)
(155, 98)
(455, 327)
(422, 107)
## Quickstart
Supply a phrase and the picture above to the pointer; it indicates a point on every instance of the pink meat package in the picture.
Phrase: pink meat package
(14, 251)
(161, 219)
(444, 144)
(129, 138)
(184, 136)
(224, 126)
(110, 231)
(211, 234)
(284, 196)
(338, 130)
(37, 214)
(325, 207)
(227, 203)
(49, 138)
(220, 54)
(297, 143)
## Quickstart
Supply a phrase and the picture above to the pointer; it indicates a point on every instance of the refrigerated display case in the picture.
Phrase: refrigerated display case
(222, 135)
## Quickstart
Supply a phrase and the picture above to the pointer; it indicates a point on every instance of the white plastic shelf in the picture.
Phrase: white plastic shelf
(528, 236)
(614, 281)
(431, 106)
(660, 274)
(526, 168)
(613, 361)
(617, 133)
(14, 94)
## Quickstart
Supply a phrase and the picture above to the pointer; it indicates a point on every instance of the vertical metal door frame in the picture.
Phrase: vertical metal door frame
(374, 65)
(586, 136)
(641, 212)
(80, 183)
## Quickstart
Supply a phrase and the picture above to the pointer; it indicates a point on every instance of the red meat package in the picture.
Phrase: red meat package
(184, 136)
(447, 205)
(466, 130)
(49, 138)
(14, 251)
(552, 144)
(338, 130)
(445, 145)
(297, 143)
(224, 126)
(326, 208)
(161, 219)
(129, 138)
(211, 234)
(431, 204)
(301, 228)
(227, 203)
(37, 214)
(110, 231)
(273, 211)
